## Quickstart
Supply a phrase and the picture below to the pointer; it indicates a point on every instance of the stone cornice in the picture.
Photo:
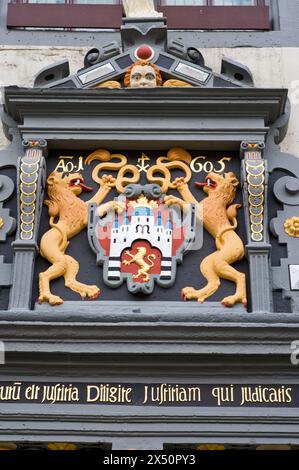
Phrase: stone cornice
(207, 118)
(199, 335)
(225, 102)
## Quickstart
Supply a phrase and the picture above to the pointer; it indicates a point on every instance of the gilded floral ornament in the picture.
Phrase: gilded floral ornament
(61, 446)
(291, 227)
(1, 223)
(7, 446)
(210, 447)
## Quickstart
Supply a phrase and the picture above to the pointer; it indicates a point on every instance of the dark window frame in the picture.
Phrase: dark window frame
(209, 3)
(69, 15)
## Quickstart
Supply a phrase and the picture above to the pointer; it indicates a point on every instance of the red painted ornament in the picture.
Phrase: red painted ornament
(144, 52)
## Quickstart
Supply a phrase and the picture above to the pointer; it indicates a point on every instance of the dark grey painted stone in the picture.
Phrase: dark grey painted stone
(138, 341)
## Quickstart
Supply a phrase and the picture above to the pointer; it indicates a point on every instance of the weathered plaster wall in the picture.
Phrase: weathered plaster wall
(19, 65)
(271, 67)
(284, 16)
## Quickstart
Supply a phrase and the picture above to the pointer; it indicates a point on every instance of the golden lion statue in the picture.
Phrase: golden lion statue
(139, 259)
(72, 214)
(218, 216)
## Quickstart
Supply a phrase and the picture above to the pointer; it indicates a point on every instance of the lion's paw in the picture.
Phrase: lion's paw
(90, 292)
(178, 182)
(172, 200)
(108, 180)
(86, 291)
(119, 206)
(189, 293)
(234, 299)
(50, 298)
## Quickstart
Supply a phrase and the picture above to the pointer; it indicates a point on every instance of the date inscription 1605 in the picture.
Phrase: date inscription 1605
(199, 164)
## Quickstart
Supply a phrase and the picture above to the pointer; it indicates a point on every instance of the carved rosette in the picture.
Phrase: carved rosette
(291, 227)
(30, 178)
(255, 187)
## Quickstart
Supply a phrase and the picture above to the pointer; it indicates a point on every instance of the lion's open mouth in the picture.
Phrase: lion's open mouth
(207, 182)
(80, 182)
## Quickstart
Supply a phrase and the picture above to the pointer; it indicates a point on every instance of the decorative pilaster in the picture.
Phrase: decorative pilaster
(7, 227)
(254, 181)
(31, 183)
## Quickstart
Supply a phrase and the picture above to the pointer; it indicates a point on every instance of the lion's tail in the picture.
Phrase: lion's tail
(64, 243)
(219, 242)
(151, 258)
(232, 216)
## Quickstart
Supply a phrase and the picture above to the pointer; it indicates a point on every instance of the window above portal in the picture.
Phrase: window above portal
(107, 14)
(210, 2)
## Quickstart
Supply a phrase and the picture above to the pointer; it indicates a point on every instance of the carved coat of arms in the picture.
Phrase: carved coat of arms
(142, 241)
(140, 236)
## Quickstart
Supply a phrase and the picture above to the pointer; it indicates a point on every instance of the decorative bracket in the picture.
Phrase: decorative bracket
(7, 227)
(31, 183)
(7, 223)
(254, 182)
(31, 176)
(254, 185)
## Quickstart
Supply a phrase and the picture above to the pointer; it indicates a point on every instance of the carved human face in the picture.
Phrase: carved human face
(143, 76)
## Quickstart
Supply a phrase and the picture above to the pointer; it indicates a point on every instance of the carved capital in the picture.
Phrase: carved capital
(35, 148)
(252, 150)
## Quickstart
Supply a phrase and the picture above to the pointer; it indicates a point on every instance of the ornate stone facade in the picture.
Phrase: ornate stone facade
(68, 124)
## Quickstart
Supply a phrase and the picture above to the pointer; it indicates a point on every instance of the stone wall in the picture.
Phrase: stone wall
(271, 67)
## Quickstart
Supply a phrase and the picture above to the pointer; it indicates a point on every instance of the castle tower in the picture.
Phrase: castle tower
(159, 229)
(125, 228)
(166, 261)
(142, 220)
(115, 250)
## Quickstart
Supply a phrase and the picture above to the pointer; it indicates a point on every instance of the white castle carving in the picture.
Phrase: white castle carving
(143, 225)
